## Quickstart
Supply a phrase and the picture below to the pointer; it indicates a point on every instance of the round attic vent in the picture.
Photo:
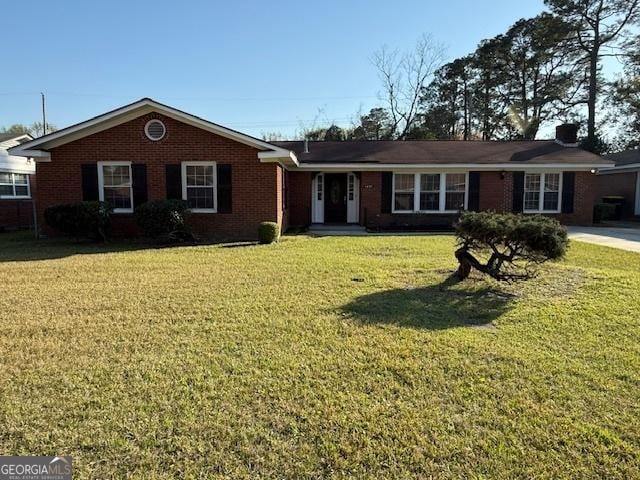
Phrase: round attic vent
(155, 130)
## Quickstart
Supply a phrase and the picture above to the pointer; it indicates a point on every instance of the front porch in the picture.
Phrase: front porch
(335, 198)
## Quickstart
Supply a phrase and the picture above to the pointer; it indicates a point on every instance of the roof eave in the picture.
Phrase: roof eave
(127, 113)
(453, 166)
(284, 157)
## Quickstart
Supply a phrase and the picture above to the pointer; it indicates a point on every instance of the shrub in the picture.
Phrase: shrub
(513, 244)
(604, 211)
(164, 219)
(268, 232)
(90, 220)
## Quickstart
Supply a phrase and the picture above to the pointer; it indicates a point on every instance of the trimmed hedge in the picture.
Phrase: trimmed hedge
(268, 232)
(164, 219)
(90, 220)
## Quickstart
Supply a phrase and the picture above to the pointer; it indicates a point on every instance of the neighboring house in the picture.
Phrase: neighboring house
(232, 182)
(623, 180)
(16, 184)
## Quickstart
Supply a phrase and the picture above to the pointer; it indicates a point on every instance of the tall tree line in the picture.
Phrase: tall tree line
(542, 71)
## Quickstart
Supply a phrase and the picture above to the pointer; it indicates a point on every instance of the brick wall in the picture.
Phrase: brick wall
(496, 193)
(15, 214)
(618, 184)
(300, 198)
(256, 189)
(18, 214)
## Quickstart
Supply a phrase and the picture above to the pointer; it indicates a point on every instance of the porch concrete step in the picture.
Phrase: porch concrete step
(333, 230)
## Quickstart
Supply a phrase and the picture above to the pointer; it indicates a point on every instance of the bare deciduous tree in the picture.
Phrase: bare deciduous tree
(404, 76)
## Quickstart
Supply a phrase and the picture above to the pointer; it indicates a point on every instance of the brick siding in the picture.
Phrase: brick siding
(496, 193)
(256, 187)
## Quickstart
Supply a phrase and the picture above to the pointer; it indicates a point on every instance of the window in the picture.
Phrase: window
(14, 185)
(456, 186)
(429, 192)
(114, 180)
(404, 187)
(542, 192)
(199, 186)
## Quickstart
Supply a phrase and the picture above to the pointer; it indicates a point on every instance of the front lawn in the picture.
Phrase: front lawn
(317, 357)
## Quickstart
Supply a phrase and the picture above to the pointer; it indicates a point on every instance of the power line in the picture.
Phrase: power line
(234, 99)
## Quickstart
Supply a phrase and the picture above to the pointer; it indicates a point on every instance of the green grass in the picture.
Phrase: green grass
(317, 357)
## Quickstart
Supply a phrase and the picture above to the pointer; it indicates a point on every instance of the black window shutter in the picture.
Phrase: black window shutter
(139, 178)
(518, 191)
(90, 182)
(387, 192)
(224, 188)
(568, 189)
(473, 203)
(173, 180)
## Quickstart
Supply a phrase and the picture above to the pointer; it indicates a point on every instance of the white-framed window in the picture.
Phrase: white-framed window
(542, 192)
(199, 186)
(455, 192)
(404, 186)
(115, 185)
(14, 185)
(429, 192)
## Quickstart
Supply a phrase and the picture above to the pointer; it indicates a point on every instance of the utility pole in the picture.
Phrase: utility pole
(44, 116)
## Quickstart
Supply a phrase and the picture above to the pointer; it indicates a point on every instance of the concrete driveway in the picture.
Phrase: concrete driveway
(616, 237)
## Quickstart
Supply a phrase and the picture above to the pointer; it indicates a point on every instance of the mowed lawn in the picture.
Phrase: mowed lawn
(317, 357)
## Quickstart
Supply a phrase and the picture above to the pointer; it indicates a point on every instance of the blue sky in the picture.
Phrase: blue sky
(253, 66)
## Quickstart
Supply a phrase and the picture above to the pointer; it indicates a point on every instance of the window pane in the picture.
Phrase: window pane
(22, 190)
(200, 197)
(6, 190)
(551, 191)
(531, 200)
(430, 182)
(551, 200)
(199, 175)
(20, 179)
(5, 177)
(118, 197)
(532, 182)
(116, 176)
(454, 201)
(404, 182)
(429, 201)
(552, 182)
(404, 201)
(455, 182)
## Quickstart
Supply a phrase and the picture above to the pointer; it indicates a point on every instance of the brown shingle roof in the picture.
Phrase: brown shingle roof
(440, 152)
(627, 157)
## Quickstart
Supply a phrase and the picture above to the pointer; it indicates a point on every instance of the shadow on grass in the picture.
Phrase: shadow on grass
(22, 247)
(434, 307)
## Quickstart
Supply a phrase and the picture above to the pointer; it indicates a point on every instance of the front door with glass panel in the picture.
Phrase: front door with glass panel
(335, 197)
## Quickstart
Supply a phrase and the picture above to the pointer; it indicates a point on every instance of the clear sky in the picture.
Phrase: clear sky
(253, 66)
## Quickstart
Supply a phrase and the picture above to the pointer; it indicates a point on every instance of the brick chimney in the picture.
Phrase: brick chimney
(567, 135)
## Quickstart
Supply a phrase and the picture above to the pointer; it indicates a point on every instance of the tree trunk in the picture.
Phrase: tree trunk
(465, 260)
(593, 95)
